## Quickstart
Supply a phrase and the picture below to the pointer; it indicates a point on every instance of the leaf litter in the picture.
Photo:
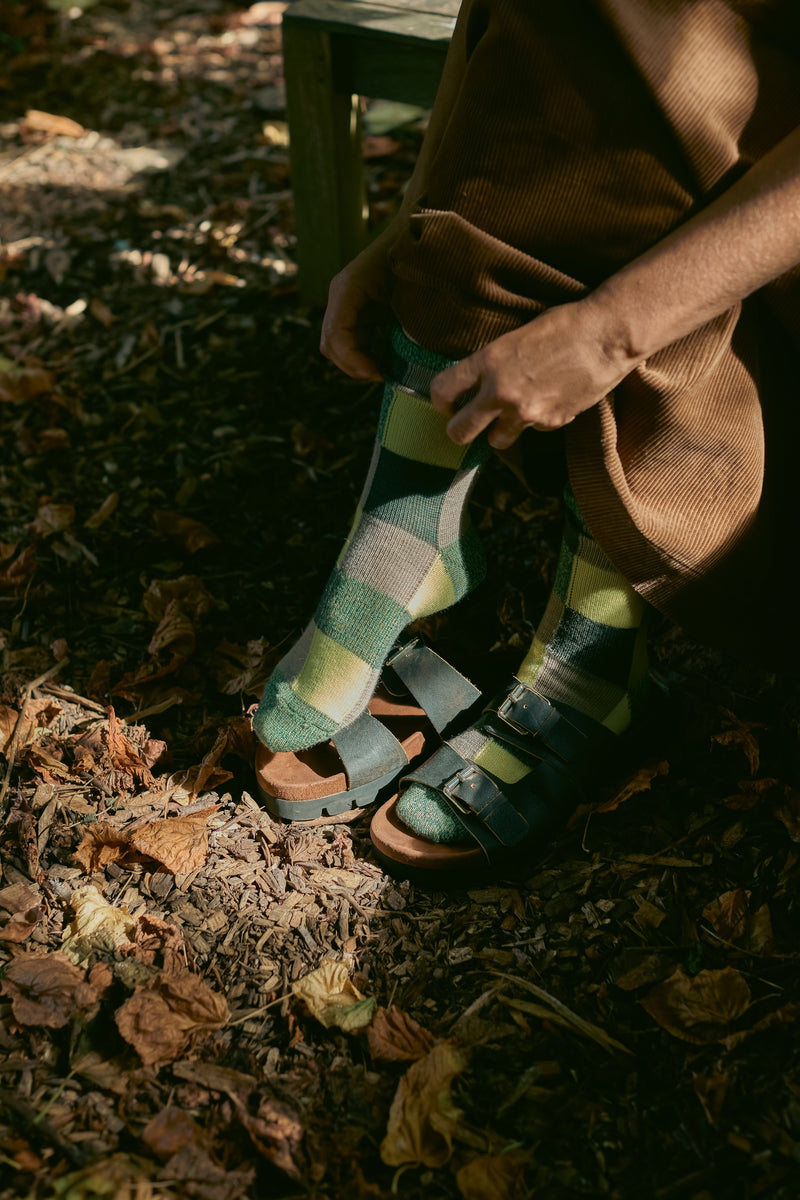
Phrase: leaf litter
(198, 1000)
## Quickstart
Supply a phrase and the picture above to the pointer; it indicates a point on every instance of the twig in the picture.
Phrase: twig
(162, 706)
(11, 749)
(562, 1015)
(24, 1115)
(62, 693)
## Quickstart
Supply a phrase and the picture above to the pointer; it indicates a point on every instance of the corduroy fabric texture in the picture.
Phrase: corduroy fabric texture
(589, 651)
(577, 135)
(411, 552)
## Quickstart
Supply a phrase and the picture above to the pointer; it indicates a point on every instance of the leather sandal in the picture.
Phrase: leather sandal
(567, 751)
(421, 698)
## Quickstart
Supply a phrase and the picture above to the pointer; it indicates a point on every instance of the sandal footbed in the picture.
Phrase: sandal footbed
(396, 844)
(316, 773)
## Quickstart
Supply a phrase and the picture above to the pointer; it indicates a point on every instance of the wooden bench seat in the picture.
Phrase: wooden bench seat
(335, 51)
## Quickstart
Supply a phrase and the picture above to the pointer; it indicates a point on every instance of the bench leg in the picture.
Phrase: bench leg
(327, 168)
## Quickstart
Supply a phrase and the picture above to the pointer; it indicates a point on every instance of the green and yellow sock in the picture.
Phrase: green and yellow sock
(589, 652)
(411, 552)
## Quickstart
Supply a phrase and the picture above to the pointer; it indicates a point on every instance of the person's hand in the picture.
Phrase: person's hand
(358, 313)
(540, 376)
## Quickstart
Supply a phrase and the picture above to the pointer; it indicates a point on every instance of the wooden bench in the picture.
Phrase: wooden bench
(335, 51)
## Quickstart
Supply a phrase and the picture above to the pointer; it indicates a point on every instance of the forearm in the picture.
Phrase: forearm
(745, 238)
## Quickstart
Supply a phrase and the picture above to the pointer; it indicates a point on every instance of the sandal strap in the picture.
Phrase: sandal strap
(563, 750)
(442, 691)
(368, 750)
(531, 723)
(470, 791)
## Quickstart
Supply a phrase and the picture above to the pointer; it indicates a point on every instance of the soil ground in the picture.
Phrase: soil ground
(179, 467)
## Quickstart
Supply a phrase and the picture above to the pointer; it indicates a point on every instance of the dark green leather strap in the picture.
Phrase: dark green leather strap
(442, 691)
(368, 750)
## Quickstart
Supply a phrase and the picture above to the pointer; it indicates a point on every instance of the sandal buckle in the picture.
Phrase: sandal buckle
(454, 785)
(399, 649)
(505, 709)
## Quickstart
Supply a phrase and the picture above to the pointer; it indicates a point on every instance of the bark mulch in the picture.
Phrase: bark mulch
(197, 1000)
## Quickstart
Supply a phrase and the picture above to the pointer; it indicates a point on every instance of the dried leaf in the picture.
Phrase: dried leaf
(698, 1008)
(787, 1014)
(276, 1132)
(101, 515)
(20, 925)
(728, 913)
(711, 1091)
(97, 927)
(48, 990)
(190, 534)
(169, 1131)
(740, 735)
(44, 124)
(788, 812)
(179, 843)
(330, 995)
(492, 1177)
(161, 1016)
(19, 383)
(237, 738)
(640, 782)
(102, 313)
(189, 592)
(423, 1118)
(244, 668)
(99, 846)
(394, 1036)
(157, 943)
(52, 518)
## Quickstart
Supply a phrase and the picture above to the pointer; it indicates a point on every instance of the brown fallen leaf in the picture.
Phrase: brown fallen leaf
(642, 781)
(331, 996)
(244, 668)
(423, 1117)
(394, 1036)
(157, 943)
(739, 734)
(169, 1131)
(37, 125)
(492, 1177)
(636, 968)
(787, 810)
(236, 737)
(190, 534)
(178, 843)
(20, 925)
(786, 1015)
(162, 1015)
(698, 1008)
(102, 313)
(52, 518)
(18, 570)
(99, 846)
(189, 592)
(711, 1091)
(101, 515)
(276, 1132)
(727, 915)
(48, 990)
(19, 382)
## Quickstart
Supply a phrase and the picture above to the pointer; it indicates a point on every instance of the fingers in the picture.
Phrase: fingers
(343, 349)
(449, 386)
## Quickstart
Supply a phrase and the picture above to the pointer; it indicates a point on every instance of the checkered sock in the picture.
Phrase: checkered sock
(589, 652)
(411, 552)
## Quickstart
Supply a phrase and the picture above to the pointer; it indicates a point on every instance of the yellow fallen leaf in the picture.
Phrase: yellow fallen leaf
(423, 1117)
(331, 996)
(97, 927)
